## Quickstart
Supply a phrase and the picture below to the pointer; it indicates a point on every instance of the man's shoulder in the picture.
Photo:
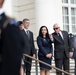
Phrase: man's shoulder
(53, 33)
(8, 21)
(31, 32)
(64, 31)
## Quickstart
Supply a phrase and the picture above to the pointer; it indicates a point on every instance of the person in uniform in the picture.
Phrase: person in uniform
(11, 44)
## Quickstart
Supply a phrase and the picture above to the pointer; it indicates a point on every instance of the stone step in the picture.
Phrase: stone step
(39, 74)
(53, 71)
(33, 73)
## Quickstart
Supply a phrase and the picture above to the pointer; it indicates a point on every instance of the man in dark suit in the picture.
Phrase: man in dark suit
(29, 47)
(1, 23)
(73, 48)
(61, 49)
(11, 45)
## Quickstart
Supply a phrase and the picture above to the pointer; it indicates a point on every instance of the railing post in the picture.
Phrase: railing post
(36, 63)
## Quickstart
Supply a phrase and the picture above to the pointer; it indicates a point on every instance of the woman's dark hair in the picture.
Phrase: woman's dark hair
(19, 23)
(40, 32)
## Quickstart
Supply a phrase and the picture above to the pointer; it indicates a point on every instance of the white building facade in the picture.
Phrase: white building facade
(46, 12)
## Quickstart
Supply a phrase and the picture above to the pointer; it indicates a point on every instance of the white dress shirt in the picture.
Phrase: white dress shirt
(61, 34)
(25, 30)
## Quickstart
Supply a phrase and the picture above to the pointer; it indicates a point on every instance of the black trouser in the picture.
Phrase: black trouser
(27, 65)
(62, 63)
(75, 66)
(0, 67)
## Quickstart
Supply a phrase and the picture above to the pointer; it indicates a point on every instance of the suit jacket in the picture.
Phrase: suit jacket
(45, 46)
(12, 46)
(61, 46)
(73, 42)
(73, 45)
(29, 47)
(2, 20)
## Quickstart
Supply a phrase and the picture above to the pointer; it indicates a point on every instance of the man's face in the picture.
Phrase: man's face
(26, 24)
(56, 28)
(1, 3)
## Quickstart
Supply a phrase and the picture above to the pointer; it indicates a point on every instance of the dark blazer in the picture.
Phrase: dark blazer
(61, 46)
(12, 46)
(73, 45)
(2, 20)
(73, 42)
(29, 43)
(45, 46)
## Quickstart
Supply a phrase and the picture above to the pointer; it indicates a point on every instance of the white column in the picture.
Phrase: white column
(8, 7)
(46, 13)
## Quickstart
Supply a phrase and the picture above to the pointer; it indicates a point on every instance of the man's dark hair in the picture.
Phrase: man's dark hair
(26, 19)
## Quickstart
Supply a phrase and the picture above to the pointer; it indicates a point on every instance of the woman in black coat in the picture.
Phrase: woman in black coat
(21, 27)
(45, 50)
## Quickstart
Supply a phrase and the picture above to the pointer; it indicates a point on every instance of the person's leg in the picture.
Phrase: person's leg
(21, 70)
(47, 72)
(58, 64)
(42, 72)
(28, 66)
(24, 59)
(66, 64)
(0, 67)
(75, 66)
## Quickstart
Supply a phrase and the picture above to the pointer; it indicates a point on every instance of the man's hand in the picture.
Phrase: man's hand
(34, 55)
(51, 37)
(70, 54)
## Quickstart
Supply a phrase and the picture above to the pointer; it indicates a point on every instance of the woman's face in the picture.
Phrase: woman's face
(44, 31)
(21, 26)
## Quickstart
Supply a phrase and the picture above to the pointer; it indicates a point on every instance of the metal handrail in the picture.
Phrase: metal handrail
(46, 64)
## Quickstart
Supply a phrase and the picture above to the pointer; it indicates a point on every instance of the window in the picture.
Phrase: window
(73, 19)
(69, 15)
(66, 27)
(73, 1)
(64, 1)
(65, 18)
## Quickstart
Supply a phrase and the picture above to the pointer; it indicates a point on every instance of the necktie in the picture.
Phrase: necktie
(59, 36)
(27, 32)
